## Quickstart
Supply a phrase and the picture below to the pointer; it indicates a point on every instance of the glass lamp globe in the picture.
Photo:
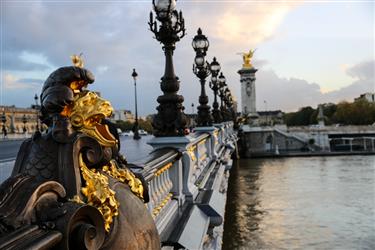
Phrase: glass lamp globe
(215, 66)
(222, 79)
(164, 5)
(199, 61)
(200, 42)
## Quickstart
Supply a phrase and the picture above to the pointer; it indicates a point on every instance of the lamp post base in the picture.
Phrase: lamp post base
(136, 136)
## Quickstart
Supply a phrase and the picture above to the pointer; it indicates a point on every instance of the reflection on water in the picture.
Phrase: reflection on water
(135, 150)
(301, 203)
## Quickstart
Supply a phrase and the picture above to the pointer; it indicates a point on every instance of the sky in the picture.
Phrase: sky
(307, 52)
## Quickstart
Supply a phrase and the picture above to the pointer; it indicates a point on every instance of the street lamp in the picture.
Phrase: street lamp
(202, 69)
(170, 119)
(222, 85)
(24, 120)
(136, 132)
(215, 68)
(37, 112)
(4, 120)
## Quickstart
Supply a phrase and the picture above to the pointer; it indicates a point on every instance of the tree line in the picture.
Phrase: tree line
(360, 112)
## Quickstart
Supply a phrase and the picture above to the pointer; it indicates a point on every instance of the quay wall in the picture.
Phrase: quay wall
(295, 141)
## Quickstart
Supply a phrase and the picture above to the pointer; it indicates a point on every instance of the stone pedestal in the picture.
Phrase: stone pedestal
(177, 142)
(248, 97)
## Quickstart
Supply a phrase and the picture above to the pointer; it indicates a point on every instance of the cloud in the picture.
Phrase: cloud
(114, 39)
(12, 82)
(13, 61)
(363, 71)
(289, 94)
(239, 22)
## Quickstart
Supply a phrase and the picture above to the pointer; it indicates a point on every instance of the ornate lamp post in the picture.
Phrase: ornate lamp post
(4, 120)
(24, 120)
(37, 111)
(214, 85)
(222, 88)
(228, 104)
(202, 69)
(136, 126)
(170, 119)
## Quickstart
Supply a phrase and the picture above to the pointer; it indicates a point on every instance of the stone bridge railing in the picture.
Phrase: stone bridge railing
(187, 182)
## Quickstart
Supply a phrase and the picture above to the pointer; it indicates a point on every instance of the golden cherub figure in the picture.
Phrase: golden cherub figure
(247, 59)
(77, 60)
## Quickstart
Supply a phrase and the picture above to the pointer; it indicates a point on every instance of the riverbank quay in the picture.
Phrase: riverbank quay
(282, 141)
(307, 154)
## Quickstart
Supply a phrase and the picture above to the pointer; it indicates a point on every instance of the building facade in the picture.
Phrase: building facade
(270, 118)
(123, 115)
(370, 97)
(19, 120)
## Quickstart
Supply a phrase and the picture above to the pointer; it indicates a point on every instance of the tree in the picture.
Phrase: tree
(359, 112)
(303, 117)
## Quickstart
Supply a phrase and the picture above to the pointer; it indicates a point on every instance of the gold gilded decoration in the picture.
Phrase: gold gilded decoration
(163, 169)
(202, 142)
(98, 193)
(190, 151)
(162, 204)
(203, 157)
(247, 59)
(86, 114)
(215, 134)
(125, 176)
(76, 86)
(77, 60)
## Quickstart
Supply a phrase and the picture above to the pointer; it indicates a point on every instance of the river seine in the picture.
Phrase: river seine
(301, 203)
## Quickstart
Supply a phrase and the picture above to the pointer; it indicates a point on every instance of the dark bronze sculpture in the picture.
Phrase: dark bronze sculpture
(70, 188)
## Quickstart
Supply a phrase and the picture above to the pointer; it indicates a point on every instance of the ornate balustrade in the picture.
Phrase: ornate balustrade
(187, 186)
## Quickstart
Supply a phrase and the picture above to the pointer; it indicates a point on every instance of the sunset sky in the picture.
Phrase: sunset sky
(308, 52)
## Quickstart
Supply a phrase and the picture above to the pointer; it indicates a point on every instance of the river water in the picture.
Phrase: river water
(301, 203)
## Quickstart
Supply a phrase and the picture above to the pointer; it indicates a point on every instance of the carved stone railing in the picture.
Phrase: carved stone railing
(187, 186)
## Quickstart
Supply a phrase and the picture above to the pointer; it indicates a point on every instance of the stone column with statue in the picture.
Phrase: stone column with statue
(248, 97)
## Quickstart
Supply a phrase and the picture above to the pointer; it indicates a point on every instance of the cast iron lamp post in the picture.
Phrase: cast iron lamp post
(136, 126)
(37, 111)
(201, 70)
(222, 85)
(214, 85)
(4, 120)
(170, 119)
(228, 104)
(24, 120)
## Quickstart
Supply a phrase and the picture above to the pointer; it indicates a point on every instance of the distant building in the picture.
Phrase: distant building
(19, 118)
(270, 118)
(123, 115)
(370, 97)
